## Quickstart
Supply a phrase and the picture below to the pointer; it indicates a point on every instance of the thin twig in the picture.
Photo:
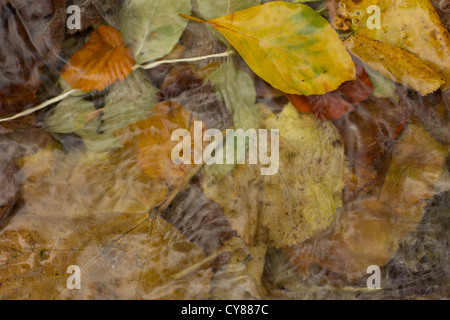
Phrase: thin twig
(41, 106)
(158, 63)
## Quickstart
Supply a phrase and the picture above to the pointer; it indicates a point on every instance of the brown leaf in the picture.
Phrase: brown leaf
(367, 135)
(31, 32)
(9, 187)
(369, 230)
(102, 61)
(154, 142)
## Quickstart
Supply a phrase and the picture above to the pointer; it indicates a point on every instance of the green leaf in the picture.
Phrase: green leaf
(128, 102)
(69, 115)
(237, 89)
(151, 28)
(210, 9)
(95, 140)
(383, 87)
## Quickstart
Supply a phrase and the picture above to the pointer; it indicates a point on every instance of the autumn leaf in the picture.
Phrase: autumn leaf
(397, 64)
(154, 141)
(298, 201)
(128, 101)
(237, 89)
(240, 278)
(102, 61)
(288, 45)
(95, 212)
(333, 105)
(370, 228)
(368, 134)
(411, 47)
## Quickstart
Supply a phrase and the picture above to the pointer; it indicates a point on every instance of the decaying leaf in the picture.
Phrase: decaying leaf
(155, 144)
(367, 135)
(102, 61)
(411, 45)
(309, 183)
(397, 64)
(198, 218)
(369, 230)
(240, 277)
(298, 201)
(124, 253)
(151, 28)
(9, 186)
(19, 63)
(290, 46)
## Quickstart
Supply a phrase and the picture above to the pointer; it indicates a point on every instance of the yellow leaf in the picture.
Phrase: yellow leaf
(298, 201)
(397, 64)
(290, 46)
(409, 31)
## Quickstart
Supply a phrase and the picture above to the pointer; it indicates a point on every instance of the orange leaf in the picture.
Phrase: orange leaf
(333, 105)
(153, 137)
(102, 61)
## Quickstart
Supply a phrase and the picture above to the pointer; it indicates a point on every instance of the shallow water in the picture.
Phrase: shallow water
(94, 187)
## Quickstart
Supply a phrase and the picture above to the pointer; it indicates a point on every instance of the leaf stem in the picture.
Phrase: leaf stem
(41, 106)
(158, 63)
(192, 18)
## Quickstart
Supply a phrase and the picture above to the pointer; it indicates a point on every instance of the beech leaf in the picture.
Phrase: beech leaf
(298, 201)
(102, 61)
(153, 138)
(288, 45)
(152, 27)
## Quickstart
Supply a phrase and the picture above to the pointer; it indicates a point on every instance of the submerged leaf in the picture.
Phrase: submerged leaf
(237, 89)
(240, 277)
(370, 229)
(70, 115)
(411, 45)
(129, 101)
(93, 212)
(290, 46)
(102, 61)
(299, 200)
(154, 141)
(152, 27)
(396, 64)
(333, 105)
